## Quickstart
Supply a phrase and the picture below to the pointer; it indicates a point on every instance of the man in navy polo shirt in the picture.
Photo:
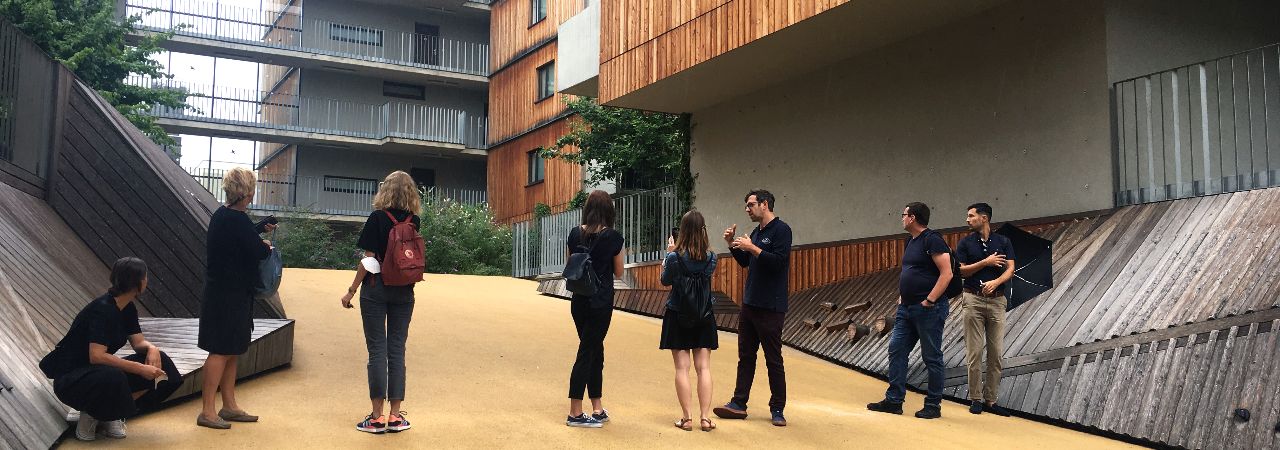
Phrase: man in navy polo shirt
(986, 263)
(767, 255)
(922, 311)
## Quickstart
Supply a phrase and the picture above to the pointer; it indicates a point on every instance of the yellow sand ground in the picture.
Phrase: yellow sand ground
(488, 366)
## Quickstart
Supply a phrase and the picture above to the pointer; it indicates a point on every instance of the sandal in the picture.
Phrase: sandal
(708, 425)
(685, 424)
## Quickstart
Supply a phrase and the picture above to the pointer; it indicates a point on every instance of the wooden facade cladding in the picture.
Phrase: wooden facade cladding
(510, 196)
(511, 35)
(643, 41)
(514, 107)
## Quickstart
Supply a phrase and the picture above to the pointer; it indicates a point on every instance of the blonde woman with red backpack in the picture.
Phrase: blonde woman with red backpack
(392, 263)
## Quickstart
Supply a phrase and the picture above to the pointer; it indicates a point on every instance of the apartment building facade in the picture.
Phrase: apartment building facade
(347, 92)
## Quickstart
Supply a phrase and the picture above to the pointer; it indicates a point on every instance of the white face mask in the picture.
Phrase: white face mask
(371, 264)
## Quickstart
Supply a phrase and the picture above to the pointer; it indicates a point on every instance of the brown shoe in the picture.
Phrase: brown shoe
(685, 424)
(236, 416)
(217, 425)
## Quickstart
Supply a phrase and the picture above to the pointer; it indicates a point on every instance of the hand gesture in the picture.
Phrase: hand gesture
(153, 358)
(729, 233)
(994, 260)
(671, 244)
(989, 287)
(742, 243)
(346, 300)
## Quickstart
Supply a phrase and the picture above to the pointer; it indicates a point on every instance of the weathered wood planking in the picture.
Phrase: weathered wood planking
(511, 198)
(271, 346)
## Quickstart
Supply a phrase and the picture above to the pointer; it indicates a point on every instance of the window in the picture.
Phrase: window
(546, 81)
(401, 90)
(537, 167)
(355, 34)
(349, 185)
(537, 11)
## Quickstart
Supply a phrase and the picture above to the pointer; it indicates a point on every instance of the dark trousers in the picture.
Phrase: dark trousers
(588, 369)
(757, 328)
(910, 324)
(106, 393)
(387, 311)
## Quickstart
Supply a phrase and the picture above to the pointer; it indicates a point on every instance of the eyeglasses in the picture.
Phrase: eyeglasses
(907, 214)
(752, 204)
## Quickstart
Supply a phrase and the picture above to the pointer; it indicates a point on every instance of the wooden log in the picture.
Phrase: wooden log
(812, 323)
(830, 306)
(857, 332)
(857, 307)
(838, 325)
(883, 325)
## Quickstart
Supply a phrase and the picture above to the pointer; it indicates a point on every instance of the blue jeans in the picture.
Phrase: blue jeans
(916, 323)
(386, 311)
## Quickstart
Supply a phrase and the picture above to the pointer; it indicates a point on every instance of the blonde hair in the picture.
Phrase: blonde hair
(238, 184)
(398, 191)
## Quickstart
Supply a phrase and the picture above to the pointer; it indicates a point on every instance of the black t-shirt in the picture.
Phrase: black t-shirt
(373, 238)
(972, 249)
(919, 273)
(606, 244)
(100, 322)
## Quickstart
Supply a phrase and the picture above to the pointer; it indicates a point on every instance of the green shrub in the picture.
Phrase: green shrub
(463, 239)
(315, 244)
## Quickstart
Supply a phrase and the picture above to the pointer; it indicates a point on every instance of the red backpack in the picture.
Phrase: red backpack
(404, 262)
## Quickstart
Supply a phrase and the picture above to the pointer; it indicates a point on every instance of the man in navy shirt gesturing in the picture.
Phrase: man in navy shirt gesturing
(767, 256)
(922, 310)
(986, 262)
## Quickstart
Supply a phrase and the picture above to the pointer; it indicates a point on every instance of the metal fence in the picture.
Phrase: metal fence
(235, 106)
(1200, 129)
(319, 194)
(645, 219)
(284, 27)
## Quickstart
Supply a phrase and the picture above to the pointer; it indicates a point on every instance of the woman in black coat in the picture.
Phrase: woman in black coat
(226, 311)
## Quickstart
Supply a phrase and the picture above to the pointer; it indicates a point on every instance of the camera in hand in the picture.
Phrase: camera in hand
(271, 220)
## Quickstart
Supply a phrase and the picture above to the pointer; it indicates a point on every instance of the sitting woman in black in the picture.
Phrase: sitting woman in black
(86, 373)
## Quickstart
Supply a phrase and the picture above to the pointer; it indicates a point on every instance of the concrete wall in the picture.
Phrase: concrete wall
(1148, 36)
(317, 162)
(392, 19)
(340, 86)
(1008, 107)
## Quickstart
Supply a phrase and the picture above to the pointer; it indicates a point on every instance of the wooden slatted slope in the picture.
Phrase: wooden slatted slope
(1165, 319)
(46, 275)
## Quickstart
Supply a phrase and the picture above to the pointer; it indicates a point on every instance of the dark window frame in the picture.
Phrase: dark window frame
(421, 94)
(537, 166)
(374, 32)
(346, 190)
(549, 84)
(537, 15)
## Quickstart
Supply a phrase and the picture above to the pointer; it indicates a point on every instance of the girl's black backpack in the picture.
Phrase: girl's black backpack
(692, 292)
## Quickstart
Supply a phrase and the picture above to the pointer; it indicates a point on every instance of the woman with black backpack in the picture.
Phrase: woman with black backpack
(602, 246)
(688, 326)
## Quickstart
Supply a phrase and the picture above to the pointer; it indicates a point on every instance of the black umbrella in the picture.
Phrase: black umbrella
(1033, 273)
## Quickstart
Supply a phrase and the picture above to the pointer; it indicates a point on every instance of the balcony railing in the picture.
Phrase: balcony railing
(645, 219)
(285, 28)
(287, 112)
(320, 195)
(1200, 129)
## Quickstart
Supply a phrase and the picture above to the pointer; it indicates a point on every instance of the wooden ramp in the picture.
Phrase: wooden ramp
(1164, 321)
(271, 347)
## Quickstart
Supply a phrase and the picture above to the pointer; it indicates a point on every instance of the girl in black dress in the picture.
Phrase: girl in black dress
(690, 253)
(226, 311)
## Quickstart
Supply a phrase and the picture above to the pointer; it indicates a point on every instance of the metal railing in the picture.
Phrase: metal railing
(248, 107)
(645, 219)
(1201, 129)
(319, 194)
(285, 28)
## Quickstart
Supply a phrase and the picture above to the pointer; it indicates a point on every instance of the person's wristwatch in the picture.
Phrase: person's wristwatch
(930, 302)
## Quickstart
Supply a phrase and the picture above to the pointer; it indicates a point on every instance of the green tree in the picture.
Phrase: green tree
(615, 141)
(85, 36)
(463, 239)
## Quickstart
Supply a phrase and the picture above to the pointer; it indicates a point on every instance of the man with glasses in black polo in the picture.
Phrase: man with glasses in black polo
(986, 263)
(767, 256)
(922, 311)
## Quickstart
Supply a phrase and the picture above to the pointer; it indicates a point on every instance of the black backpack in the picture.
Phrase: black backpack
(579, 276)
(957, 284)
(692, 292)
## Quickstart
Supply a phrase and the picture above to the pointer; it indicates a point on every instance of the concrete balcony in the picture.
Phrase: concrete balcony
(292, 119)
(283, 37)
(578, 53)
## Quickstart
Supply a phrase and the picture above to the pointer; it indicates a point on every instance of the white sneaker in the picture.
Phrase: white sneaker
(86, 428)
(114, 429)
